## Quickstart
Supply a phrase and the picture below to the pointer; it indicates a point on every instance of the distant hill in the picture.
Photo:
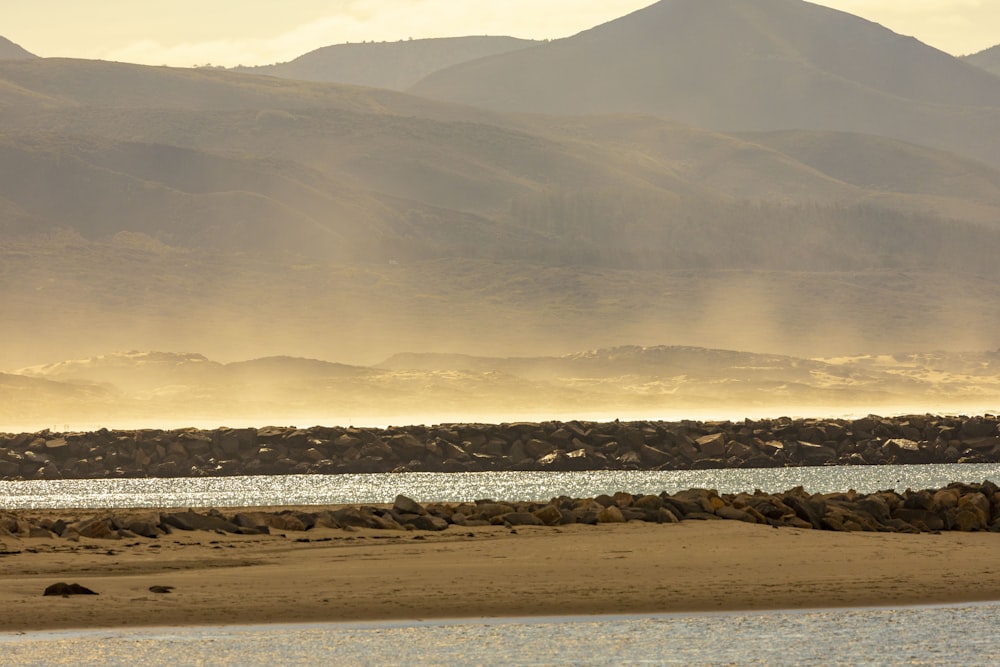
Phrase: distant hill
(393, 65)
(878, 163)
(256, 217)
(666, 382)
(988, 59)
(745, 65)
(11, 51)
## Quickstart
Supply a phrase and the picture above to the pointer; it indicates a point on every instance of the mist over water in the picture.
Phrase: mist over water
(381, 421)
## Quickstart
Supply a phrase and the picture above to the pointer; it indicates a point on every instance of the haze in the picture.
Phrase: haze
(185, 33)
(704, 206)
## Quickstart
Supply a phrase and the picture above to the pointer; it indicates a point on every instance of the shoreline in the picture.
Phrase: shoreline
(476, 621)
(480, 572)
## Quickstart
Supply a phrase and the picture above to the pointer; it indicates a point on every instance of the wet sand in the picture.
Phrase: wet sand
(484, 572)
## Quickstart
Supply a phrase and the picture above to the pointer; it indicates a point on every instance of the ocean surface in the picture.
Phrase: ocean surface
(948, 635)
(430, 487)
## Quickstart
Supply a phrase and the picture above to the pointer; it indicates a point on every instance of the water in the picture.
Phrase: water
(947, 635)
(457, 487)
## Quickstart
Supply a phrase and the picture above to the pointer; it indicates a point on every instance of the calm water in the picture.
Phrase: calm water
(427, 487)
(953, 635)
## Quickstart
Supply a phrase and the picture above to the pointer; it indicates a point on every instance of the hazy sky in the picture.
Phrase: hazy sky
(256, 32)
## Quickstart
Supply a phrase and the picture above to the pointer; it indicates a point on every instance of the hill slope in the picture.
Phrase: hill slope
(228, 161)
(11, 51)
(393, 65)
(745, 65)
(988, 59)
(160, 208)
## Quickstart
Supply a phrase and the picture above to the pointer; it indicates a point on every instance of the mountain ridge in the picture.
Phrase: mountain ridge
(630, 381)
(734, 65)
(249, 216)
(391, 65)
(987, 59)
(11, 51)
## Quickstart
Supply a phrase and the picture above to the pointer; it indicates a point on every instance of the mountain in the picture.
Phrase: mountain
(392, 65)
(988, 59)
(137, 389)
(739, 65)
(881, 164)
(251, 216)
(228, 161)
(11, 51)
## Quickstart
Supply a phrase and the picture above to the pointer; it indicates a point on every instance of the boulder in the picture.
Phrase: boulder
(805, 510)
(523, 519)
(406, 505)
(65, 590)
(978, 501)
(193, 521)
(648, 502)
(352, 517)
(712, 446)
(610, 514)
(488, 510)
(734, 514)
(549, 515)
(96, 528)
(923, 520)
(536, 448)
(969, 519)
(427, 522)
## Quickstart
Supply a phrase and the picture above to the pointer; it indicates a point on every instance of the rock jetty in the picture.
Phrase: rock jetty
(560, 446)
(960, 507)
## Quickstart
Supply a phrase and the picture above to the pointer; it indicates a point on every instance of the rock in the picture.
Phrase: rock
(428, 522)
(648, 502)
(623, 499)
(490, 510)
(283, 521)
(923, 520)
(653, 456)
(805, 510)
(969, 519)
(713, 446)
(523, 519)
(160, 589)
(813, 454)
(610, 514)
(66, 590)
(193, 521)
(735, 514)
(978, 501)
(702, 500)
(663, 515)
(536, 448)
(549, 515)
(352, 517)
(95, 528)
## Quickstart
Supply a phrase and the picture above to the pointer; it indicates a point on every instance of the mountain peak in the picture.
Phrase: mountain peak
(11, 51)
(988, 59)
(734, 65)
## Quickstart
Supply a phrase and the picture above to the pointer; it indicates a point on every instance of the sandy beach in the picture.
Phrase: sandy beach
(338, 575)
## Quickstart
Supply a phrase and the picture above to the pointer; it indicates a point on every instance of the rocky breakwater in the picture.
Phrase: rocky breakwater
(960, 507)
(573, 445)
